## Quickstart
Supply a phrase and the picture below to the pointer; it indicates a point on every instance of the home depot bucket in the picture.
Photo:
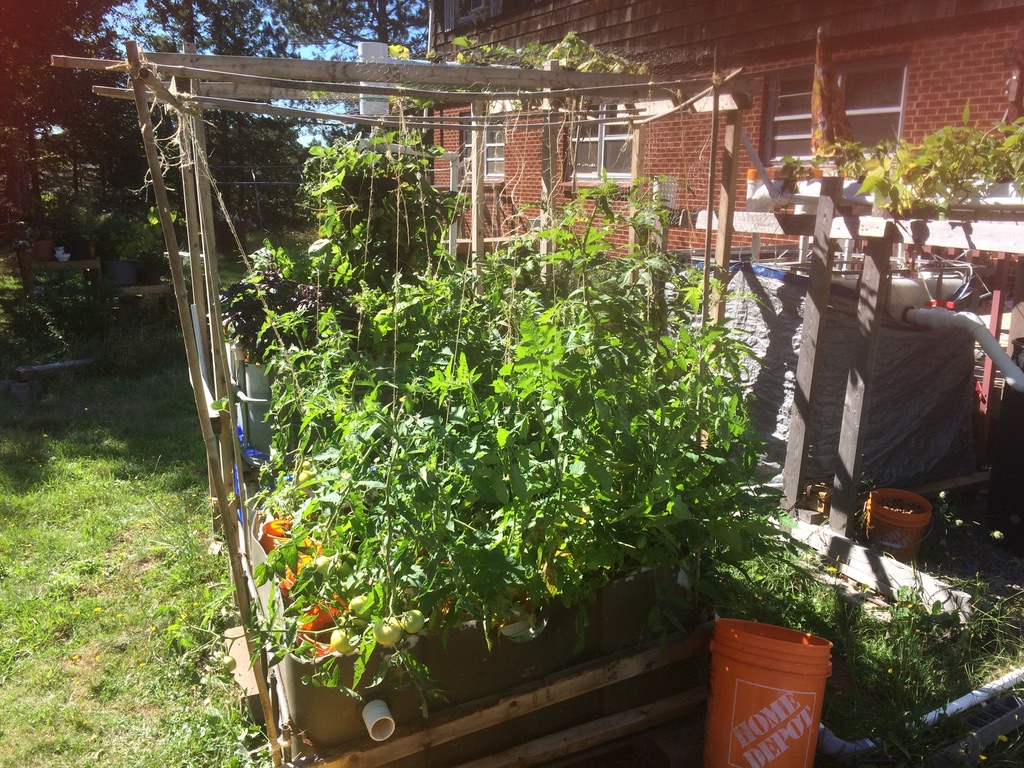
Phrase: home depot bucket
(897, 522)
(767, 688)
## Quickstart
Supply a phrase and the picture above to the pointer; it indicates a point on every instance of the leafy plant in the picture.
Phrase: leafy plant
(484, 441)
(940, 173)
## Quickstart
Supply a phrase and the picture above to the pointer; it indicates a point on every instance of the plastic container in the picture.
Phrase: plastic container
(767, 688)
(897, 522)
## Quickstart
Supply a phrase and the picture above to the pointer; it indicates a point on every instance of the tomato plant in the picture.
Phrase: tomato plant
(491, 440)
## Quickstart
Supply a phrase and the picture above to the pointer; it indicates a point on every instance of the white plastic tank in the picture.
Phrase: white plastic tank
(373, 105)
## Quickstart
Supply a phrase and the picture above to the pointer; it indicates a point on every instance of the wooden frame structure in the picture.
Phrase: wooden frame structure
(880, 234)
(187, 84)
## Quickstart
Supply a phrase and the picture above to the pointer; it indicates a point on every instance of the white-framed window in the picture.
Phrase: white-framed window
(494, 152)
(873, 93)
(603, 146)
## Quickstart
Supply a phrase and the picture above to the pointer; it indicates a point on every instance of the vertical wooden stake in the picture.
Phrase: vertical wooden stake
(712, 177)
(811, 336)
(548, 169)
(726, 208)
(476, 180)
(871, 303)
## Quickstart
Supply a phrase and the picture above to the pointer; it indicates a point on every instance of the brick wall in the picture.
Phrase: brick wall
(945, 71)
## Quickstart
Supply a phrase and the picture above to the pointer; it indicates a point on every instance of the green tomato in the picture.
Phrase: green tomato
(387, 631)
(357, 606)
(227, 662)
(341, 642)
(323, 564)
(412, 621)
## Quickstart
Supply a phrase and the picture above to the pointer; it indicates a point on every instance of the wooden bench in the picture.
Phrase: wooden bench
(30, 268)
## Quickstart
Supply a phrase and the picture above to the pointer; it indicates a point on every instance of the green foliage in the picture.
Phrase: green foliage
(572, 54)
(947, 167)
(521, 432)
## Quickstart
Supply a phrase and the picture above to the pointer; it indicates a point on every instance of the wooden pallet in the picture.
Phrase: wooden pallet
(447, 728)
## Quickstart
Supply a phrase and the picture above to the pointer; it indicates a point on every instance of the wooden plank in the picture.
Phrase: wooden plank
(461, 721)
(811, 334)
(1005, 236)
(600, 731)
(880, 572)
(395, 72)
(871, 302)
(988, 392)
(726, 207)
(971, 482)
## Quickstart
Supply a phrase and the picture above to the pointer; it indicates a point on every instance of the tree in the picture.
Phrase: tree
(42, 108)
(332, 23)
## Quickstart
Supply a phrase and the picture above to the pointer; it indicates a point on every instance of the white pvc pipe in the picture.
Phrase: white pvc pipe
(766, 196)
(378, 720)
(977, 696)
(933, 317)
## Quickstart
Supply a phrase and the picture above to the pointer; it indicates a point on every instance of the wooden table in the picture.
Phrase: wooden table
(30, 268)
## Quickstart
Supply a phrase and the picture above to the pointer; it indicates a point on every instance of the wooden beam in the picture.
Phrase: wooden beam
(467, 719)
(880, 572)
(988, 392)
(600, 731)
(811, 335)
(398, 72)
(726, 208)
(872, 299)
(1007, 236)
(476, 183)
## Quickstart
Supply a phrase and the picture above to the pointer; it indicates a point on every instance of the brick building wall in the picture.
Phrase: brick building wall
(947, 67)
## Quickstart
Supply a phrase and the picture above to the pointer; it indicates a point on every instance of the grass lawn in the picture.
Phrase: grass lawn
(112, 599)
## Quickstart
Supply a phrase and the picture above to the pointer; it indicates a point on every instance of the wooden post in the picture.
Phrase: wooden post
(476, 180)
(726, 207)
(871, 303)
(548, 168)
(811, 335)
(705, 303)
(638, 169)
(988, 377)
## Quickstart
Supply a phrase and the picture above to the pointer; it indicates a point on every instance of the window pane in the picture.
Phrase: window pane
(586, 158)
(792, 148)
(618, 157)
(873, 128)
(873, 88)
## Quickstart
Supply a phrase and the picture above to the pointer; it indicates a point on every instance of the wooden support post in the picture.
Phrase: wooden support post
(1017, 315)
(476, 180)
(871, 302)
(988, 376)
(811, 335)
(227, 513)
(726, 207)
(705, 302)
(548, 168)
(638, 169)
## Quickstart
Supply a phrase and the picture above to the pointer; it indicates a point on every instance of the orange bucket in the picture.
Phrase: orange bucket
(897, 522)
(767, 688)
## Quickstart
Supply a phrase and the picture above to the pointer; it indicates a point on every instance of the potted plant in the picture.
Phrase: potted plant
(952, 170)
(475, 456)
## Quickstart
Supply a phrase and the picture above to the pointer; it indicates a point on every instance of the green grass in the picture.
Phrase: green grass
(111, 600)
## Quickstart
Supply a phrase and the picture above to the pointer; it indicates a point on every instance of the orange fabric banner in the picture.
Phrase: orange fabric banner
(829, 123)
